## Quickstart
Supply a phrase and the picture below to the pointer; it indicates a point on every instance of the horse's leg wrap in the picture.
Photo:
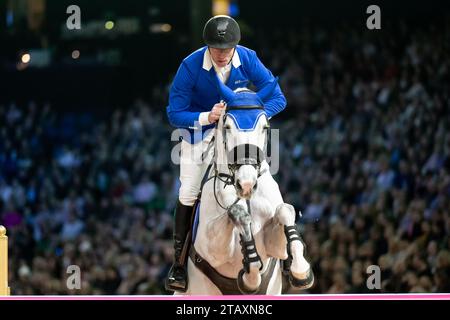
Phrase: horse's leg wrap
(248, 249)
(247, 242)
(292, 234)
(250, 255)
(249, 277)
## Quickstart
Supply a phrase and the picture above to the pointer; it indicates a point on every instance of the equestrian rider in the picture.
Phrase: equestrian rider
(194, 105)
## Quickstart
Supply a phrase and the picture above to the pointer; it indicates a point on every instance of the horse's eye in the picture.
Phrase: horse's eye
(227, 126)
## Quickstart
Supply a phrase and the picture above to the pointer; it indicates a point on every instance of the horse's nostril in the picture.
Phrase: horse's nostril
(255, 186)
(238, 185)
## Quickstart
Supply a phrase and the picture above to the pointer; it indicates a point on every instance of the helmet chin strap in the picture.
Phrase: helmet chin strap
(231, 59)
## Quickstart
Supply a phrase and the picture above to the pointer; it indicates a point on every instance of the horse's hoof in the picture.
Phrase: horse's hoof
(302, 284)
(241, 285)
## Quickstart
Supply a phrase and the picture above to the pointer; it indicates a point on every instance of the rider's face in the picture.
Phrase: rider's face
(221, 56)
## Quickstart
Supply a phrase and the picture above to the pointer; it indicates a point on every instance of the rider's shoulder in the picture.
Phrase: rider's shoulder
(195, 57)
(244, 49)
(245, 54)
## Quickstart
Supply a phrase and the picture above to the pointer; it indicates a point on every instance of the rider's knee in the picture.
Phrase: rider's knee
(187, 197)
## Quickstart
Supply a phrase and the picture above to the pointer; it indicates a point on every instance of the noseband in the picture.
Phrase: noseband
(245, 154)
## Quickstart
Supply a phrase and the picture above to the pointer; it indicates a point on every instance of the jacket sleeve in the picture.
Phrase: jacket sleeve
(261, 76)
(180, 99)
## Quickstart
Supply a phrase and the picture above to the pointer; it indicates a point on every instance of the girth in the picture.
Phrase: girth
(226, 285)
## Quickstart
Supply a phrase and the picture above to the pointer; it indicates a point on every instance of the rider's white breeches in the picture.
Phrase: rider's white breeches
(192, 169)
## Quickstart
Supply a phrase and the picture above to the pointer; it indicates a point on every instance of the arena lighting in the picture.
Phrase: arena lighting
(166, 27)
(221, 7)
(109, 25)
(160, 27)
(26, 57)
(75, 54)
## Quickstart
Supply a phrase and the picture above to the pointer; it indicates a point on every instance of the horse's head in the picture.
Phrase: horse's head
(244, 129)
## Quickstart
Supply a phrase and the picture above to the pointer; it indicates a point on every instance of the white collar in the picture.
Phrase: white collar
(207, 60)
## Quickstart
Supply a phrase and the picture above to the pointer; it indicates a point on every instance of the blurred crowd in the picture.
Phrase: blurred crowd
(80, 191)
(366, 161)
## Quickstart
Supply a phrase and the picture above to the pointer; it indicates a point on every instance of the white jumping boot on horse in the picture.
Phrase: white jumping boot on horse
(277, 244)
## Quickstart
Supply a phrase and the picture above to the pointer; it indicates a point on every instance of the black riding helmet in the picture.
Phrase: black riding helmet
(221, 32)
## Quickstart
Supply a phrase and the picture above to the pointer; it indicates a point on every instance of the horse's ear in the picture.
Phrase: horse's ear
(226, 93)
(267, 90)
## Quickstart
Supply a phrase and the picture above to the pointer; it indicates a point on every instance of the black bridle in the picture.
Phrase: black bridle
(246, 154)
(252, 155)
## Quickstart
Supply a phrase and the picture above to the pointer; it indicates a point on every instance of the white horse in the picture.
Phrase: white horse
(246, 241)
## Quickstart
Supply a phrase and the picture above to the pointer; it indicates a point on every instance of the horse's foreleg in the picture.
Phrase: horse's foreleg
(300, 268)
(274, 236)
(249, 277)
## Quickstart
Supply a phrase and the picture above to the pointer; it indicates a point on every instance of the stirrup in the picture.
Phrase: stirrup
(172, 284)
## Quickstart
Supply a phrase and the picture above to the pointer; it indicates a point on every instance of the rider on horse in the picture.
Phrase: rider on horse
(193, 92)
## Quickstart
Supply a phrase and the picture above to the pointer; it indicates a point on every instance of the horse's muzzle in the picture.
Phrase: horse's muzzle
(245, 189)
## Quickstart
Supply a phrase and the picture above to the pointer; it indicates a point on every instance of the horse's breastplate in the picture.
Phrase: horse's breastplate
(226, 285)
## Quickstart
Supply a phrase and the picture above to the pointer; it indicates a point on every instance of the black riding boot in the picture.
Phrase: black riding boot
(177, 277)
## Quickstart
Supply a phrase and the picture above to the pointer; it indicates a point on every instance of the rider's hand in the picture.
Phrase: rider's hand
(215, 112)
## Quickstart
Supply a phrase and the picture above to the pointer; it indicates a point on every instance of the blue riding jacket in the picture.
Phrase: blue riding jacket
(194, 88)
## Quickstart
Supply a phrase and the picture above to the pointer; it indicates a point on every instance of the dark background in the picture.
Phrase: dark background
(147, 59)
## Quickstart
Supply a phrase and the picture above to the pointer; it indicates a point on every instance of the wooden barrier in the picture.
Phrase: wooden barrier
(4, 289)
